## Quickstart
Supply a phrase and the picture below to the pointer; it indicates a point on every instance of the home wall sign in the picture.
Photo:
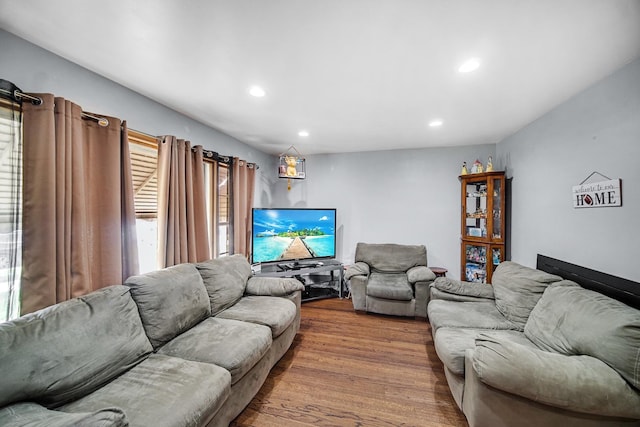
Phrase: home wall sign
(597, 194)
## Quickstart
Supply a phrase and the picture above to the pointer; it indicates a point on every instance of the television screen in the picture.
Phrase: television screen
(293, 234)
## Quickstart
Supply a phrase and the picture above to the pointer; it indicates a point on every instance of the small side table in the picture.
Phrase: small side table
(439, 271)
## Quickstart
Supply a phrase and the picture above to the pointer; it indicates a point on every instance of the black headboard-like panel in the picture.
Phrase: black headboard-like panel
(621, 289)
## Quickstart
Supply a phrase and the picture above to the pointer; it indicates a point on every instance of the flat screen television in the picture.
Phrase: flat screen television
(292, 234)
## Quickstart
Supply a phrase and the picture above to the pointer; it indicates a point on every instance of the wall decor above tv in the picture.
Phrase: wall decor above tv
(292, 234)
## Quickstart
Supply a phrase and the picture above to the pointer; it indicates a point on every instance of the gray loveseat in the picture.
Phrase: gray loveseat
(392, 279)
(536, 350)
(189, 345)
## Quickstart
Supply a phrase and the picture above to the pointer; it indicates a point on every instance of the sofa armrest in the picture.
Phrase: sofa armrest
(420, 273)
(358, 269)
(576, 383)
(34, 415)
(272, 286)
(457, 288)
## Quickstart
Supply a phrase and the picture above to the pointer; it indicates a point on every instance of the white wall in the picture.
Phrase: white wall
(597, 130)
(34, 69)
(399, 196)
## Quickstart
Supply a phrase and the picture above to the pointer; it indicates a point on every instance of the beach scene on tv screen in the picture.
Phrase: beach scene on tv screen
(288, 234)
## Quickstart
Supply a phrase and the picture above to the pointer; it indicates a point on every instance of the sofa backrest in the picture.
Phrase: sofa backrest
(391, 257)
(517, 289)
(225, 279)
(68, 350)
(170, 301)
(572, 320)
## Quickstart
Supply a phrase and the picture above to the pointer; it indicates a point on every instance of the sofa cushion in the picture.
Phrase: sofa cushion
(460, 288)
(517, 289)
(391, 257)
(170, 301)
(394, 286)
(67, 350)
(275, 312)
(477, 315)
(572, 320)
(236, 346)
(577, 383)
(273, 286)
(163, 391)
(28, 414)
(225, 279)
(451, 344)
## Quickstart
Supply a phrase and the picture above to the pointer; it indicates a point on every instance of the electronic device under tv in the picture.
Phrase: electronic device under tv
(293, 237)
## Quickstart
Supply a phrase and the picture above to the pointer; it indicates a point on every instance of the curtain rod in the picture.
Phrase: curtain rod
(17, 94)
(102, 121)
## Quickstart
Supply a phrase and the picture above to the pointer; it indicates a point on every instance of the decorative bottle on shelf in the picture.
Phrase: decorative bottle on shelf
(490, 164)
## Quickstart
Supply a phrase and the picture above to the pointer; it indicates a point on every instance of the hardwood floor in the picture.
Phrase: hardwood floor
(355, 369)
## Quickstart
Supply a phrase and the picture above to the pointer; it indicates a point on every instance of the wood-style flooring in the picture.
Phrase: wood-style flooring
(355, 369)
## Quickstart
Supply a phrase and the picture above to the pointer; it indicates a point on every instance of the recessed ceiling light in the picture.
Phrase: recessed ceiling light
(257, 91)
(469, 65)
(303, 133)
(435, 123)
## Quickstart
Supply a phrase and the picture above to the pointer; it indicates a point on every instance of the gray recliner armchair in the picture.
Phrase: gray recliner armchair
(390, 279)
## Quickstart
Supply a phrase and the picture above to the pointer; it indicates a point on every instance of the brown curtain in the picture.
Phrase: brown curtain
(182, 218)
(78, 217)
(243, 181)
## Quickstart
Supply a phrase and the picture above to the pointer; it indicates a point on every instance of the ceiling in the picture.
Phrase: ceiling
(358, 75)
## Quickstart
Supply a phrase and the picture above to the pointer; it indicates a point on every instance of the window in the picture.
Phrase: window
(224, 211)
(218, 201)
(10, 209)
(144, 165)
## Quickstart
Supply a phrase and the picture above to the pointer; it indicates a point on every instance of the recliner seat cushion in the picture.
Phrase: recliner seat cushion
(475, 315)
(394, 286)
(517, 289)
(275, 312)
(170, 301)
(163, 391)
(225, 279)
(70, 349)
(452, 343)
(236, 346)
(33, 415)
(572, 320)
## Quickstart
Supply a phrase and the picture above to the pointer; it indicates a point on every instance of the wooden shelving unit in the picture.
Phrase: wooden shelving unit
(482, 231)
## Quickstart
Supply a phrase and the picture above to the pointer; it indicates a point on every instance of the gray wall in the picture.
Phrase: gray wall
(597, 130)
(34, 69)
(413, 196)
(399, 196)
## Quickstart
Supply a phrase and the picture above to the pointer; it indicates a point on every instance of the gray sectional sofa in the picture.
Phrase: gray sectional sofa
(189, 345)
(537, 350)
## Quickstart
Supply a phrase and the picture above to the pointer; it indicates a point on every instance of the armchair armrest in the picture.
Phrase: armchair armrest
(455, 289)
(577, 383)
(272, 286)
(420, 273)
(358, 269)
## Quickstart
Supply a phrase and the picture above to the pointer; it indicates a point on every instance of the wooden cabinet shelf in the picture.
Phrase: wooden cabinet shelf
(483, 225)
